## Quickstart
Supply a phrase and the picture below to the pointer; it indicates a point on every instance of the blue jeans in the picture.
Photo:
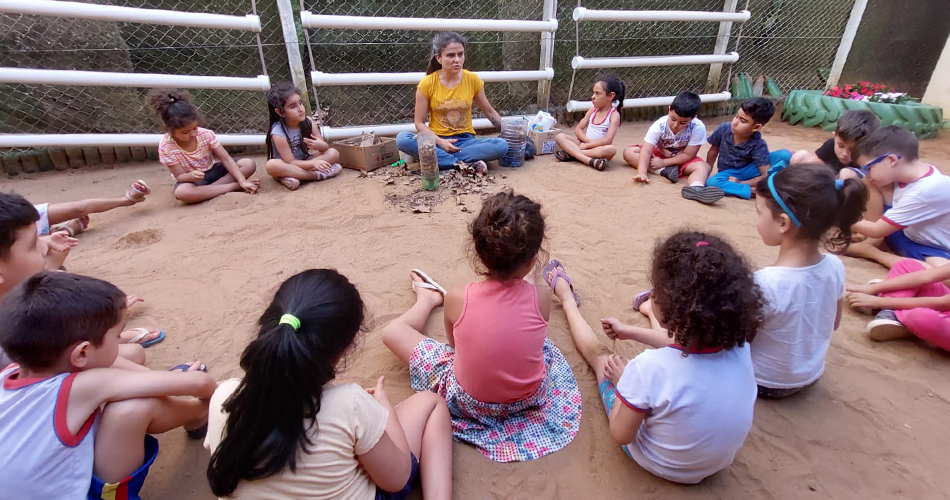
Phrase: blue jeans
(750, 171)
(470, 148)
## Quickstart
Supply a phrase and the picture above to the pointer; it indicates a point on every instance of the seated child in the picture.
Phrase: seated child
(22, 255)
(510, 391)
(682, 410)
(837, 153)
(798, 207)
(189, 152)
(912, 301)
(71, 426)
(743, 156)
(295, 150)
(917, 226)
(593, 140)
(73, 217)
(671, 149)
(286, 431)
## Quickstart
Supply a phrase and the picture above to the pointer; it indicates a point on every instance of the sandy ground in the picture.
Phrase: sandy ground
(873, 427)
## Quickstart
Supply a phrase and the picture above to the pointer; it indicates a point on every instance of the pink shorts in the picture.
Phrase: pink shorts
(656, 154)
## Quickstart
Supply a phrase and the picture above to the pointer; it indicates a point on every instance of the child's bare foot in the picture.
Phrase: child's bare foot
(425, 291)
(290, 183)
(144, 336)
(613, 368)
(130, 301)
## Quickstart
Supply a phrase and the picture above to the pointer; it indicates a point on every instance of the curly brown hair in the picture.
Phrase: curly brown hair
(705, 292)
(506, 234)
(173, 106)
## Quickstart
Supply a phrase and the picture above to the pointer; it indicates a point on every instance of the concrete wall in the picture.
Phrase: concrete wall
(938, 91)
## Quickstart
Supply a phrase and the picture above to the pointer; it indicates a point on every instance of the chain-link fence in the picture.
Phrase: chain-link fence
(62, 43)
(792, 42)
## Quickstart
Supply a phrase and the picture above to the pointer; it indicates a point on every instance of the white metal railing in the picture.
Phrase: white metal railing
(116, 13)
(725, 18)
(114, 79)
(322, 79)
(579, 62)
(642, 102)
(584, 14)
(146, 80)
(310, 20)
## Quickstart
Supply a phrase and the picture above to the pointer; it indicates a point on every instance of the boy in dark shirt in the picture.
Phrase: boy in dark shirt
(743, 156)
(836, 152)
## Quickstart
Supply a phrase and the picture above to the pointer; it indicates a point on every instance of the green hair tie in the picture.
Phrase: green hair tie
(290, 319)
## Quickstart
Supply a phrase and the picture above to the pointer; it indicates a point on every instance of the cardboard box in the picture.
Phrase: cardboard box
(367, 158)
(544, 141)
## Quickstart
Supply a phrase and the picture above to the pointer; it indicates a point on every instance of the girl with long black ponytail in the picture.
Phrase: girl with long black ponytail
(285, 429)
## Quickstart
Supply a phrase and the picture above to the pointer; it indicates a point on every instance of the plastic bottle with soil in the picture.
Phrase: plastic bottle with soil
(515, 131)
(428, 161)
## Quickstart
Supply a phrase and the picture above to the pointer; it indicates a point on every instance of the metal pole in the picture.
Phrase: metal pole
(289, 27)
(847, 38)
(549, 11)
(722, 43)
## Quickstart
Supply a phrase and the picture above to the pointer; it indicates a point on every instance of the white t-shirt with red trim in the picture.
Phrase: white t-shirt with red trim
(922, 209)
(39, 456)
(698, 409)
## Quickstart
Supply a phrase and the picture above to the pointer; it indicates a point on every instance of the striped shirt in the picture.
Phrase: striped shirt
(202, 158)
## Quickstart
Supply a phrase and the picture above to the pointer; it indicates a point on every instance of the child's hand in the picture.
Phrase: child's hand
(60, 241)
(447, 145)
(379, 392)
(321, 166)
(613, 328)
(585, 145)
(733, 179)
(641, 178)
(656, 163)
(863, 301)
(251, 186)
(197, 176)
(865, 289)
(314, 144)
(857, 237)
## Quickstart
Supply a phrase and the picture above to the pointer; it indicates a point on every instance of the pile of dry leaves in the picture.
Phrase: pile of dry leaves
(460, 187)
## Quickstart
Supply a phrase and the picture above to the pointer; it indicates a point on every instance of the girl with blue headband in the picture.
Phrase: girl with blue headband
(801, 209)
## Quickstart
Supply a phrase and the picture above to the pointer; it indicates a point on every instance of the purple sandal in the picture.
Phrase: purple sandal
(559, 272)
(640, 298)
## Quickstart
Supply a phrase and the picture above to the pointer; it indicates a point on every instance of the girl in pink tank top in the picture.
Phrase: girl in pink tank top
(510, 391)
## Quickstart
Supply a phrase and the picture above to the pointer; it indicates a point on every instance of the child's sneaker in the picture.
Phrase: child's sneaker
(703, 194)
(672, 174)
(885, 326)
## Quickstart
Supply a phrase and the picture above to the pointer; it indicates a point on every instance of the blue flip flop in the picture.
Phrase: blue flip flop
(559, 272)
(184, 368)
(144, 332)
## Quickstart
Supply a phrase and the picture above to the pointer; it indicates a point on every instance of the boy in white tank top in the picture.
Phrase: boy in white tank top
(72, 425)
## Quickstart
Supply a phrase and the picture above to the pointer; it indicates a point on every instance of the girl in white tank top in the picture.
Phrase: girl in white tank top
(592, 141)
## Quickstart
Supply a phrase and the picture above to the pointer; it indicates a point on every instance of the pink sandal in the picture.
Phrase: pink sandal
(137, 192)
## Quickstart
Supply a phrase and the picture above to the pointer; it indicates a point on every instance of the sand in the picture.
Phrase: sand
(873, 427)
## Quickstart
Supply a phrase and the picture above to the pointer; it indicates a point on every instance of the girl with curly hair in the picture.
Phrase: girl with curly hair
(686, 406)
(511, 392)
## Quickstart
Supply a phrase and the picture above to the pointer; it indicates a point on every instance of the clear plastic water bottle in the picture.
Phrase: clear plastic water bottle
(428, 161)
(515, 131)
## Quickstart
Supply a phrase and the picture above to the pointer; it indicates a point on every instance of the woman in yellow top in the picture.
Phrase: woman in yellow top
(445, 97)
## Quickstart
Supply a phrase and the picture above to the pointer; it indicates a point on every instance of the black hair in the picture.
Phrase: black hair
(856, 124)
(173, 106)
(44, 316)
(277, 97)
(686, 104)
(810, 192)
(440, 41)
(760, 109)
(506, 234)
(274, 408)
(889, 139)
(15, 214)
(705, 291)
(613, 84)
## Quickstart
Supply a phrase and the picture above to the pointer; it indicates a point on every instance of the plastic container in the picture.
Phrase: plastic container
(542, 122)
(515, 131)
(428, 161)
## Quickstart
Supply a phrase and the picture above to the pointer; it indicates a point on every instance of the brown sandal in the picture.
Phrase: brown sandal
(599, 164)
(561, 155)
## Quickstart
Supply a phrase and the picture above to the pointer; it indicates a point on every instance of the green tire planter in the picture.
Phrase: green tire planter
(813, 109)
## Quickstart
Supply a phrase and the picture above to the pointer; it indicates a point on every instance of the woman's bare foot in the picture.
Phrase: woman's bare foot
(613, 368)
(425, 295)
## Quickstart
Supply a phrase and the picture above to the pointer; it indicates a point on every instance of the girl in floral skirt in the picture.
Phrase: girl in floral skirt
(510, 391)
